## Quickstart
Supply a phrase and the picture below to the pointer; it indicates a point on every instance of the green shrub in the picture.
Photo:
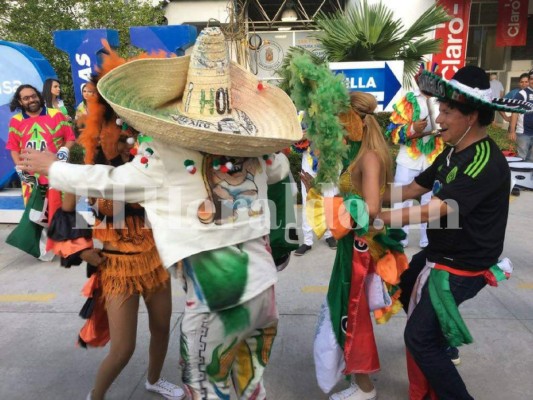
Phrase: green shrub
(383, 118)
(499, 135)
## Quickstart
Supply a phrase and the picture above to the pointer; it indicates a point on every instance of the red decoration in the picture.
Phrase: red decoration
(133, 152)
(511, 28)
(144, 160)
(224, 169)
(268, 161)
(454, 36)
(260, 86)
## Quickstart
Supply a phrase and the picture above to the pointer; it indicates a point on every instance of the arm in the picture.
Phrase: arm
(434, 210)
(67, 132)
(130, 182)
(14, 142)
(521, 95)
(417, 129)
(398, 194)
(512, 127)
(15, 155)
(505, 116)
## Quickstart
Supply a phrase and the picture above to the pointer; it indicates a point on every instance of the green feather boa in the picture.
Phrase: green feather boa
(323, 95)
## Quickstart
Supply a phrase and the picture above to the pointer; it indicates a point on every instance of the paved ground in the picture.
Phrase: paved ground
(39, 303)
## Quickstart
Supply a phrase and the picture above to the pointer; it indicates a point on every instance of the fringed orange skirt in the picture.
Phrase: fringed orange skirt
(132, 273)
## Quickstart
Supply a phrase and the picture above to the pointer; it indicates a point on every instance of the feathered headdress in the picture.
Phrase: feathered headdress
(101, 126)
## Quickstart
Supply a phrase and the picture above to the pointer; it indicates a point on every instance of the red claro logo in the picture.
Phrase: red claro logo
(513, 26)
(454, 44)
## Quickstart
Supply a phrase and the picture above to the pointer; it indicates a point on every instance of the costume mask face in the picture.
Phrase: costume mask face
(353, 124)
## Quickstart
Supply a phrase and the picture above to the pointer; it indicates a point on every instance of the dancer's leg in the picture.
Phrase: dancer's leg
(159, 307)
(122, 314)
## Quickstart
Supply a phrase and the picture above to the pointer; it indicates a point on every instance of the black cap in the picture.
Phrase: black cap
(473, 77)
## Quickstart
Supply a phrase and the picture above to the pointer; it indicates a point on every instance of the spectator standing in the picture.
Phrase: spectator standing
(496, 86)
(87, 90)
(521, 126)
(522, 84)
(52, 96)
(36, 126)
(43, 129)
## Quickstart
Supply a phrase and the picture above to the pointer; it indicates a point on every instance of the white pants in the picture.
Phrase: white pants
(405, 176)
(213, 360)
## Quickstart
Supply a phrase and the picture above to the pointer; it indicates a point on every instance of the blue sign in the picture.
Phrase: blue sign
(380, 78)
(20, 64)
(83, 48)
(170, 38)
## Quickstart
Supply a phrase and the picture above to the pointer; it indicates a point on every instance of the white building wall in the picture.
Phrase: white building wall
(179, 12)
(406, 10)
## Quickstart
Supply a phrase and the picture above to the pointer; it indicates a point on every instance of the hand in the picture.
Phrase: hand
(36, 161)
(420, 125)
(307, 179)
(92, 256)
(512, 136)
(26, 177)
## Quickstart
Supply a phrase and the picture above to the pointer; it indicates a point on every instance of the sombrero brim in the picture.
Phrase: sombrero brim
(146, 94)
(436, 86)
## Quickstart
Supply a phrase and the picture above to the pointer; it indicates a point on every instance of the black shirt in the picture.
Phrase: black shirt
(475, 183)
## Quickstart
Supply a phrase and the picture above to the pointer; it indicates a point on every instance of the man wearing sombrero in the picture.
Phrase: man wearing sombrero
(467, 216)
(203, 183)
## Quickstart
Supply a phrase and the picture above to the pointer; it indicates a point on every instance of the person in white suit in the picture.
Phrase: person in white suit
(203, 183)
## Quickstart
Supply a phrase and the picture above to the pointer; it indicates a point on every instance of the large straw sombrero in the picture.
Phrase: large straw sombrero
(203, 102)
(470, 85)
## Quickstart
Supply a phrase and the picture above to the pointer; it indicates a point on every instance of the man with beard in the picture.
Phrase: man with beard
(39, 128)
(36, 126)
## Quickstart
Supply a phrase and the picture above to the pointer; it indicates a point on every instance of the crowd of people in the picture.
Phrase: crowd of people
(200, 166)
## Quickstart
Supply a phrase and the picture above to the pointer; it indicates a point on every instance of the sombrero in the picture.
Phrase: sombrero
(203, 102)
(470, 85)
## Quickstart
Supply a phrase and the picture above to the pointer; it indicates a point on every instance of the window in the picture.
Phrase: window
(481, 50)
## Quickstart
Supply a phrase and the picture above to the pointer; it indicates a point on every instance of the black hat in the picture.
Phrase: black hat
(470, 85)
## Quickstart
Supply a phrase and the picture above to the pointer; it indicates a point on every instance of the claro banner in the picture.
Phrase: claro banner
(454, 36)
(511, 29)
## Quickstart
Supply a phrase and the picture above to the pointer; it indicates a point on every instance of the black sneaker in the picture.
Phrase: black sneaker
(515, 191)
(300, 251)
(332, 243)
(453, 353)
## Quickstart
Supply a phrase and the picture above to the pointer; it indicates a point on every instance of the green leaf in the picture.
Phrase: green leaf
(370, 32)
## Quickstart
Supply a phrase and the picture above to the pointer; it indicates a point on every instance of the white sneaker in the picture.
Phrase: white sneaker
(166, 389)
(354, 393)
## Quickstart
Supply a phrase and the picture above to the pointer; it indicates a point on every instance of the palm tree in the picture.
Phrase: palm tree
(371, 33)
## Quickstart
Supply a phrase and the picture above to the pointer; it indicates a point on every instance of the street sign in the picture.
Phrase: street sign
(383, 79)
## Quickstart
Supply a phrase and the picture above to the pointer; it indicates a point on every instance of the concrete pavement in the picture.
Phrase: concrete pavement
(39, 303)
